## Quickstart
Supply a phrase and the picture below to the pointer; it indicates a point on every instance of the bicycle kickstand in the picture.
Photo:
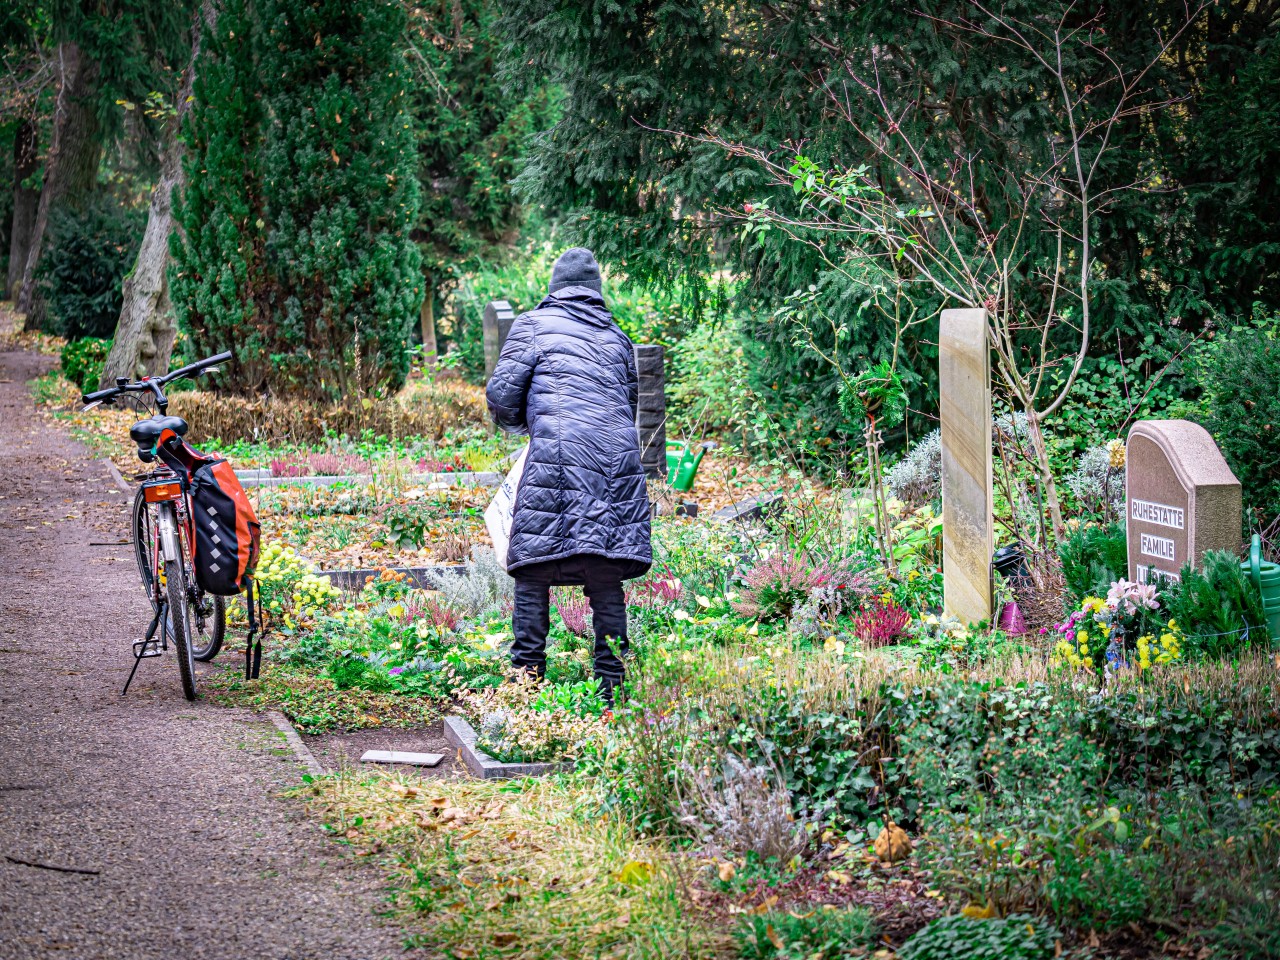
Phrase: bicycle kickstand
(148, 646)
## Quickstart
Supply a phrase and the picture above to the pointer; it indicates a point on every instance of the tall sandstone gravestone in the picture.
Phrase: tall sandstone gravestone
(497, 320)
(1181, 498)
(968, 533)
(651, 411)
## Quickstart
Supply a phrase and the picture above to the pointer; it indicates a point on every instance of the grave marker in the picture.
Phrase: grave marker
(651, 410)
(964, 380)
(1181, 498)
(498, 317)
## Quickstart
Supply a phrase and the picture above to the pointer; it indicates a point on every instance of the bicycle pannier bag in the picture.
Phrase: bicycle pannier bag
(227, 530)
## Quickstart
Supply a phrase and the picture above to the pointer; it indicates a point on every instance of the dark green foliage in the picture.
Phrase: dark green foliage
(90, 251)
(302, 199)
(815, 935)
(1218, 609)
(1238, 373)
(1093, 557)
(82, 361)
(1018, 937)
(472, 135)
(219, 277)
(656, 204)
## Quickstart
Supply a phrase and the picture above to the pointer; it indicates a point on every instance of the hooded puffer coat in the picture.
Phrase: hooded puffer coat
(567, 377)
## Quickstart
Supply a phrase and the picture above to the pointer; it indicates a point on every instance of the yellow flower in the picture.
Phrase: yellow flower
(1082, 636)
(1084, 649)
(1116, 454)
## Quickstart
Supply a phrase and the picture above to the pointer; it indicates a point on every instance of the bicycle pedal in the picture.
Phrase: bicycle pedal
(146, 648)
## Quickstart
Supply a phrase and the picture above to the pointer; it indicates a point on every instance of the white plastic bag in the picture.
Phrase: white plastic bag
(497, 516)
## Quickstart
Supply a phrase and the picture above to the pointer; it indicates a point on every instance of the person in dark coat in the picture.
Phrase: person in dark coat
(567, 378)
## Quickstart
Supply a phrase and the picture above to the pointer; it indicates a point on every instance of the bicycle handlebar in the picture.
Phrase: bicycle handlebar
(154, 384)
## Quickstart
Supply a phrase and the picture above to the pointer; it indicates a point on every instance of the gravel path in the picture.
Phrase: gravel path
(170, 804)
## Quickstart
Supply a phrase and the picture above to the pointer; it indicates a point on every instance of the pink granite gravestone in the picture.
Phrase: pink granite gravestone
(1181, 498)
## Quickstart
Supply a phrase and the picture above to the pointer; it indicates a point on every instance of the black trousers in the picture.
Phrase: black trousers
(601, 581)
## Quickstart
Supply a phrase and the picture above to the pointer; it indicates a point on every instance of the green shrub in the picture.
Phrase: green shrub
(1238, 373)
(82, 361)
(1093, 557)
(91, 249)
(708, 392)
(1218, 609)
(826, 934)
(1018, 937)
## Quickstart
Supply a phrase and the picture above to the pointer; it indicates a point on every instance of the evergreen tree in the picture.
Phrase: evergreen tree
(301, 197)
(1202, 239)
(472, 135)
(218, 278)
(341, 196)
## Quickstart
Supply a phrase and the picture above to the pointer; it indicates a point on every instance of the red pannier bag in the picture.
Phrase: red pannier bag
(227, 532)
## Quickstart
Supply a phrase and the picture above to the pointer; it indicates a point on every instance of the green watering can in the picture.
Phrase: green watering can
(682, 464)
(1266, 577)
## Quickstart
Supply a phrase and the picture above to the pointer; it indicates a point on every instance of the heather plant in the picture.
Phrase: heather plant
(881, 623)
(574, 610)
(776, 586)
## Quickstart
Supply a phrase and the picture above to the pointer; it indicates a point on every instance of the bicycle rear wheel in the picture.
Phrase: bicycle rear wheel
(144, 545)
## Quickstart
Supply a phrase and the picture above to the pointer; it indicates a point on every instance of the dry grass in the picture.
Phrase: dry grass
(424, 410)
(521, 869)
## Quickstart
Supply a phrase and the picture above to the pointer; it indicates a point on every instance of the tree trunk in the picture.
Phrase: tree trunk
(71, 169)
(26, 159)
(428, 317)
(147, 327)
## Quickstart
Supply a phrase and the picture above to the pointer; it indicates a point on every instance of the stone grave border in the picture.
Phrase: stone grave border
(462, 735)
(261, 477)
(420, 576)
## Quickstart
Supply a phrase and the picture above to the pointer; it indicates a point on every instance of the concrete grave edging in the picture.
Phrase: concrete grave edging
(462, 735)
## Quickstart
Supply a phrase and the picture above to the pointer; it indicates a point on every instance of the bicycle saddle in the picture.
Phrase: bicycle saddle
(145, 433)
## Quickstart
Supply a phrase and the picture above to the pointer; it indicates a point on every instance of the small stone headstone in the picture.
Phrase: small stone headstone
(396, 756)
(498, 317)
(651, 410)
(1181, 498)
(753, 508)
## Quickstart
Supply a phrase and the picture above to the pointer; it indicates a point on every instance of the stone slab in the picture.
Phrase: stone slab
(421, 577)
(460, 734)
(1181, 498)
(397, 756)
(753, 508)
(497, 320)
(968, 530)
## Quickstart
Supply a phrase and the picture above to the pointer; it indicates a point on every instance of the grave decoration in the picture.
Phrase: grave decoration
(1181, 499)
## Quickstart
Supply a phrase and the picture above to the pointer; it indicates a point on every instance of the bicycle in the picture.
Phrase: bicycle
(162, 529)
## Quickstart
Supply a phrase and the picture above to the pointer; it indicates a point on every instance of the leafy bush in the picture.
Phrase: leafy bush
(826, 934)
(737, 809)
(90, 251)
(1093, 557)
(1098, 481)
(1217, 608)
(916, 479)
(82, 361)
(708, 391)
(1237, 373)
(1018, 937)
(776, 586)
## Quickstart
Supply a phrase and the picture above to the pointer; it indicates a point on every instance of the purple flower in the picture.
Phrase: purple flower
(396, 670)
